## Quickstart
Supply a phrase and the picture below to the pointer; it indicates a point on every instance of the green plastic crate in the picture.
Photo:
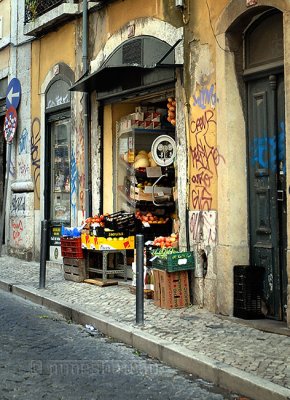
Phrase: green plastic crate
(179, 261)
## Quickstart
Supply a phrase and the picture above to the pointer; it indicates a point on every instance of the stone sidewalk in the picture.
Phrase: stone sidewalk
(235, 356)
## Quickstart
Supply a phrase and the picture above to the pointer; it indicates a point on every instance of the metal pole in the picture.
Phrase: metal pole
(86, 109)
(140, 279)
(2, 221)
(42, 272)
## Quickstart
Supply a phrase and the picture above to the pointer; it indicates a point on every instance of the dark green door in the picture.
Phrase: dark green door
(267, 194)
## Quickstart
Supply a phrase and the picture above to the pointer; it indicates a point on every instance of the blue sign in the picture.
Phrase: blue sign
(13, 93)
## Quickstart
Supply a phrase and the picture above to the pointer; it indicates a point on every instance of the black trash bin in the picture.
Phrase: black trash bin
(248, 291)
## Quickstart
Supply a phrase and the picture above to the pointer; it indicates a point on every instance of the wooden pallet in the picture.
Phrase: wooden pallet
(74, 269)
(100, 282)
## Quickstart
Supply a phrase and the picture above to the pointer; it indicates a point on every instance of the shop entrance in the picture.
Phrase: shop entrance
(144, 158)
(266, 158)
(57, 177)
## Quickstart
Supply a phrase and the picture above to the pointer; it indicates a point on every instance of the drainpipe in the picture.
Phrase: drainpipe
(86, 111)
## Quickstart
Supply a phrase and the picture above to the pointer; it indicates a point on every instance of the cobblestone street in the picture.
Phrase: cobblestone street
(263, 355)
(43, 357)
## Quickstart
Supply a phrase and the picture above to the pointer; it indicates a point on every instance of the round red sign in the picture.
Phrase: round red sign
(10, 124)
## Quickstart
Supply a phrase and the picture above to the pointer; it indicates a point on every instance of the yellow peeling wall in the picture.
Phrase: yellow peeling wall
(120, 15)
(48, 51)
(5, 14)
(4, 58)
(204, 157)
(5, 52)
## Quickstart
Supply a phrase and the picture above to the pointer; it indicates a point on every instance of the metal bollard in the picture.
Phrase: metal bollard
(140, 279)
(42, 272)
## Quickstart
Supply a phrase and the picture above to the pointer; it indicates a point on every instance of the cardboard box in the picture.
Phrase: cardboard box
(171, 289)
(129, 124)
(100, 243)
(137, 116)
(152, 116)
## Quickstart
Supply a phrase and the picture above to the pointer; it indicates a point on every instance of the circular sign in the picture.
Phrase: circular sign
(13, 93)
(10, 124)
(163, 150)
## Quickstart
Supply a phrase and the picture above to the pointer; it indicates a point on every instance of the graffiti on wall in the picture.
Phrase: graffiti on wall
(202, 226)
(18, 204)
(35, 157)
(23, 144)
(74, 187)
(80, 159)
(205, 98)
(23, 159)
(18, 214)
(263, 151)
(204, 155)
(17, 231)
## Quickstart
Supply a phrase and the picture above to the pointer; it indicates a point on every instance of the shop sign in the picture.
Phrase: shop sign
(55, 234)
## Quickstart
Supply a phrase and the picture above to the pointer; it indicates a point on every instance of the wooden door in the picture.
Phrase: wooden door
(267, 196)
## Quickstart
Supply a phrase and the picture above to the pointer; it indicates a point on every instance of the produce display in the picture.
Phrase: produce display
(163, 252)
(99, 220)
(142, 159)
(111, 225)
(171, 105)
(166, 241)
(150, 218)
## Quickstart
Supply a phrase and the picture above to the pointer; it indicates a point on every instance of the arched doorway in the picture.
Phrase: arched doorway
(264, 79)
(57, 174)
(251, 215)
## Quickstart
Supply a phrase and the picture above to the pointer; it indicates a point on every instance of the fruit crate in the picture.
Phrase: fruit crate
(177, 261)
(74, 269)
(248, 292)
(71, 247)
(120, 220)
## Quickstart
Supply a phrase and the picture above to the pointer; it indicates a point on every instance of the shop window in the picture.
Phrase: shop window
(60, 170)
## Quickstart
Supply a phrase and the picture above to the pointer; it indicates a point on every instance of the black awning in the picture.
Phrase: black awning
(110, 78)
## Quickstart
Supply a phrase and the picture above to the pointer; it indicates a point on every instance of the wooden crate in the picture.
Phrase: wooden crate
(74, 269)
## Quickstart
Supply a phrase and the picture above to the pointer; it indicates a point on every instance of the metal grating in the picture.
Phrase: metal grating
(36, 8)
(132, 52)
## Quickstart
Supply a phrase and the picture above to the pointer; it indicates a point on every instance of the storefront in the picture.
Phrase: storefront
(136, 108)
